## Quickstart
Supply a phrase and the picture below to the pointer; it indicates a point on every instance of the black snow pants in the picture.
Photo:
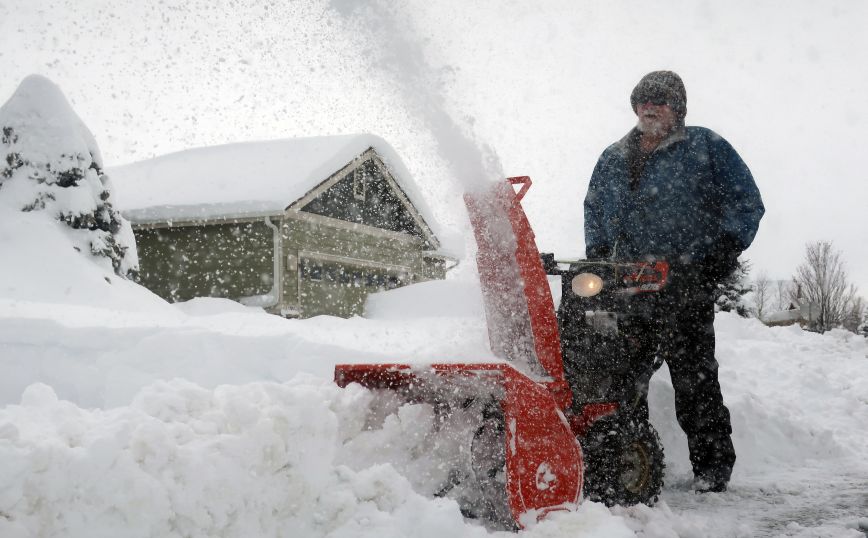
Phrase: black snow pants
(682, 334)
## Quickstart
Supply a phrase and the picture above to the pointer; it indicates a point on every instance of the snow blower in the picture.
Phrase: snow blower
(606, 309)
(523, 457)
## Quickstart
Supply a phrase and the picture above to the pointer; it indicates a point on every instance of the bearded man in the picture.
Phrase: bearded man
(681, 194)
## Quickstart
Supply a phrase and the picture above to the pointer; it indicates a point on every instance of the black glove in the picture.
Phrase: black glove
(723, 259)
(599, 252)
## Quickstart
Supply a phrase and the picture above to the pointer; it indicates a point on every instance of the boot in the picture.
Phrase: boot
(709, 483)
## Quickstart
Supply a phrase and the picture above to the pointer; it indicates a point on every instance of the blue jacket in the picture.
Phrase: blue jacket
(694, 197)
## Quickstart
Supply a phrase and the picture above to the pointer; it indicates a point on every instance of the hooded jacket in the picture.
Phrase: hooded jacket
(694, 201)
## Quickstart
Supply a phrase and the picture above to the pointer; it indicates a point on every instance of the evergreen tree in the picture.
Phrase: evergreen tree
(49, 162)
(731, 291)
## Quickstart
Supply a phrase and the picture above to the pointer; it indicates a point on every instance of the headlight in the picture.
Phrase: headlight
(587, 284)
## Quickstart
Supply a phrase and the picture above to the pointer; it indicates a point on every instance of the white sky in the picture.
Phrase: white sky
(544, 84)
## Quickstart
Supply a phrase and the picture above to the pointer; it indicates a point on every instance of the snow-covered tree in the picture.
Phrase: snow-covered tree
(49, 162)
(730, 293)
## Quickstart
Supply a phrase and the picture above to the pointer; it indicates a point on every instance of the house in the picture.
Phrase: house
(301, 227)
(799, 312)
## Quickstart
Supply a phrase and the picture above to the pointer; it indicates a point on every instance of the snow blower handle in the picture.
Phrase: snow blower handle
(525, 182)
(551, 266)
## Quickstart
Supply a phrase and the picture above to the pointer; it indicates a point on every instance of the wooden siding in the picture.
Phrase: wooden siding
(331, 270)
(230, 260)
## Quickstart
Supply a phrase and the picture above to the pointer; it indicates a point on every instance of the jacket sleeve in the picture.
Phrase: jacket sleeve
(598, 232)
(740, 204)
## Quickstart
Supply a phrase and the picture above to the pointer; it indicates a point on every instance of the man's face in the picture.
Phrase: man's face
(655, 120)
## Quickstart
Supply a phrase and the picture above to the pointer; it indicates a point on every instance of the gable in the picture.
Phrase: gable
(366, 195)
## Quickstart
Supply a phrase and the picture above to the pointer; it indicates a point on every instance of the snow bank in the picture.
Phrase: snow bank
(436, 298)
(252, 460)
(793, 396)
(42, 271)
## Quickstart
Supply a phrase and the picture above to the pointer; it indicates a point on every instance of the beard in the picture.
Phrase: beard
(656, 127)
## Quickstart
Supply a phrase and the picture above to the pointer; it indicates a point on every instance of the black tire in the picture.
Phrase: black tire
(623, 462)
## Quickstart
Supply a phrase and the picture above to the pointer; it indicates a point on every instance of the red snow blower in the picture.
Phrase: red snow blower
(524, 456)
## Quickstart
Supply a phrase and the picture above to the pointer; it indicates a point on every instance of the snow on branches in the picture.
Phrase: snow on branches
(49, 162)
(729, 294)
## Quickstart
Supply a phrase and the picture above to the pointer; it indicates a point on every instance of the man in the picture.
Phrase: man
(682, 194)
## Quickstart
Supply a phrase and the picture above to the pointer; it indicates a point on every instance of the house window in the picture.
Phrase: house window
(360, 181)
(311, 270)
(366, 196)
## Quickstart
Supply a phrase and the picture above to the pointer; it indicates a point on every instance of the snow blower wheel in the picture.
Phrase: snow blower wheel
(624, 462)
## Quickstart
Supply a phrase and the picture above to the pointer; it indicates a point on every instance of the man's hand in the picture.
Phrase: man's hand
(723, 259)
(598, 253)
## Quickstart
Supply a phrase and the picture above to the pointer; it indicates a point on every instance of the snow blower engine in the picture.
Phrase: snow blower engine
(556, 415)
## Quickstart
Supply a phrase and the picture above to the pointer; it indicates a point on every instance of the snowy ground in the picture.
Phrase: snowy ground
(125, 416)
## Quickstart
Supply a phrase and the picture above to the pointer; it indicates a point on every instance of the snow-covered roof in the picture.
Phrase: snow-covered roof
(246, 179)
(784, 316)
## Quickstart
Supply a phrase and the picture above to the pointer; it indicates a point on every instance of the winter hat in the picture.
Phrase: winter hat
(663, 86)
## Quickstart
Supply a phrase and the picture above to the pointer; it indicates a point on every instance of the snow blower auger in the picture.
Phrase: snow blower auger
(523, 458)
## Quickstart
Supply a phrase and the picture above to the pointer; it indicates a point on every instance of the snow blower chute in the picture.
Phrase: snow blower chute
(524, 458)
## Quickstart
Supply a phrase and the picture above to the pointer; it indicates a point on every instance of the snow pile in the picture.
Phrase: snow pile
(53, 167)
(252, 460)
(224, 453)
(435, 298)
(41, 265)
(760, 367)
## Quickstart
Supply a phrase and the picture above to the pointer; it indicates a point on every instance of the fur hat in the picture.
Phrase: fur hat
(661, 85)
